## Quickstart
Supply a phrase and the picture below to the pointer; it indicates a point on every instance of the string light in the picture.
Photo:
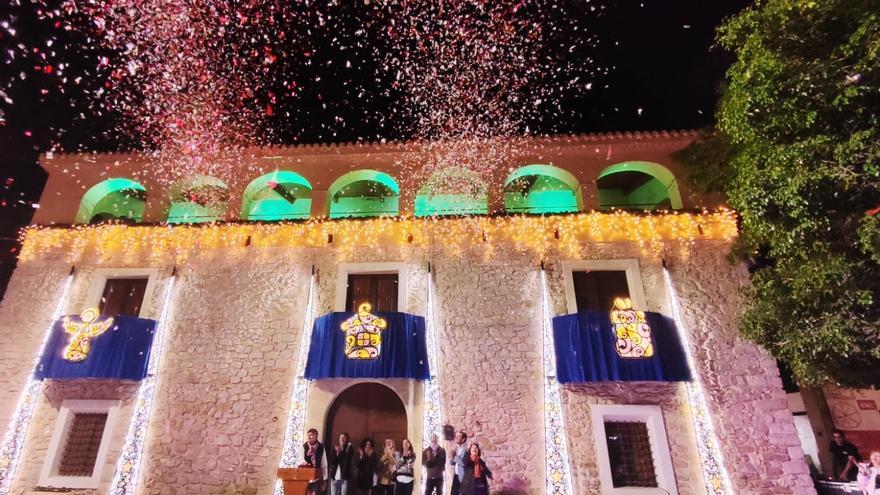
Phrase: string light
(125, 480)
(431, 422)
(652, 233)
(299, 395)
(16, 432)
(557, 466)
(715, 474)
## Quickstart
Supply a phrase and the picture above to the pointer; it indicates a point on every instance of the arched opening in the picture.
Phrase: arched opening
(638, 186)
(280, 195)
(363, 193)
(366, 410)
(542, 189)
(452, 191)
(113, 199)
(198, 199)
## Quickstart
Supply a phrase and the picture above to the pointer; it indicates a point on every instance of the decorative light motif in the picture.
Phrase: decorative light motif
(558, 475)
(432, 418)
(652, 233)
(363, 334)
(16, 432)
(89, 326)
(715, 475)
(632, 331)
(125, 481)
(296, 417)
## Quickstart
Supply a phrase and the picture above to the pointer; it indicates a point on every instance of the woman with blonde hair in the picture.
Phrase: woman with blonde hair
(869, 475)
(406, 466)
(387, 466)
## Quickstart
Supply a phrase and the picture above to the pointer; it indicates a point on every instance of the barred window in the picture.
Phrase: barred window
(82, 444)
(629, 454)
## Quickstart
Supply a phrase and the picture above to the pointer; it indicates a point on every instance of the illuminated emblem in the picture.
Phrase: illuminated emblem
(82, 332)
(632, 332)
(363, 337)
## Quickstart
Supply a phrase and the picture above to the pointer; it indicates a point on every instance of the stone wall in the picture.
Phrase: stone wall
(489, 349)
(222, 398)
(756, 430)
(234, 331)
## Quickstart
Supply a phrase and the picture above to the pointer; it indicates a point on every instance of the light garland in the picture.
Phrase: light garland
(126, 480)
(296, 416)
(431, 418)
(538, 234)
(557, 464)
(715, 474)
(16, 432)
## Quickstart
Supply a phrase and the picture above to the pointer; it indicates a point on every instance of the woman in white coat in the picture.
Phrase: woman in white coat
(869, 475)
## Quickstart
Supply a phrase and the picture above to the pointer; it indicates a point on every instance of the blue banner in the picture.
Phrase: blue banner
(97, 348)
(591, 348)
(368, 345)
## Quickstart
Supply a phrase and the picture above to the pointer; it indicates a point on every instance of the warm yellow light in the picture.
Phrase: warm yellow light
(653, 233)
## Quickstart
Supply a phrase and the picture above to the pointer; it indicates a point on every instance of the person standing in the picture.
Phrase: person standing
(387, 466)
(339, 460)
(476, 473)
(366, 466)
(434, 460)
(845, 457)
(458, 452)
(869, 475)
(313, 454)
(406, 467)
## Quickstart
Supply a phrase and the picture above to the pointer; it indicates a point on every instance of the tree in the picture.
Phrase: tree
(797, 151)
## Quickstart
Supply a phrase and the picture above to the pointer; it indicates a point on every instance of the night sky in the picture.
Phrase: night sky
(662, 73)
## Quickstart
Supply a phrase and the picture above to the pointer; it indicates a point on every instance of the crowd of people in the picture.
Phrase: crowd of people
(347, 471)
(848, 465)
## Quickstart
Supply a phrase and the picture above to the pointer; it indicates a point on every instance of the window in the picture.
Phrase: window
(280, 195)
(638, 186)
(629, 454)
(378, 289)
(632, 451)
(123, 296)
(542, 189)
(363, 193)
(80, 442)
(122, 291)
(592, 285)
(113, 199)
(383, 284)
(595, 290)
(197, 200)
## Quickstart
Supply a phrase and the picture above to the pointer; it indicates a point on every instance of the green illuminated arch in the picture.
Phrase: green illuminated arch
(452, 191)
(279, 195)
(198, 199)
(542, 189)
(638, 186)
(363, 193)
(113, 199)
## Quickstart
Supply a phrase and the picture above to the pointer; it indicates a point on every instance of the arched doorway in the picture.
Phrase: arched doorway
(367, 410)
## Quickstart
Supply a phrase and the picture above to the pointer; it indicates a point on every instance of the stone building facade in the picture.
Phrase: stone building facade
(243, 294)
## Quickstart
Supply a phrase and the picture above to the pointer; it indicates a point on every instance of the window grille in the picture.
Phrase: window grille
(82, 445)
(629, 454)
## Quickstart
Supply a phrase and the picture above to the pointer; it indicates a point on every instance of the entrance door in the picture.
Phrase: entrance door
(367, 410)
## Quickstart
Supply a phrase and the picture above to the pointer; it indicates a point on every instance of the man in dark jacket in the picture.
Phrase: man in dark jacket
(313, 454)
(339, 461)
(434, 460)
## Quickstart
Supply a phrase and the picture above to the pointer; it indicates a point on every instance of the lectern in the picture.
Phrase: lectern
(295, 481)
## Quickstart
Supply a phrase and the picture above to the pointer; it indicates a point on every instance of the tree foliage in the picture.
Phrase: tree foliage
(797, 151)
